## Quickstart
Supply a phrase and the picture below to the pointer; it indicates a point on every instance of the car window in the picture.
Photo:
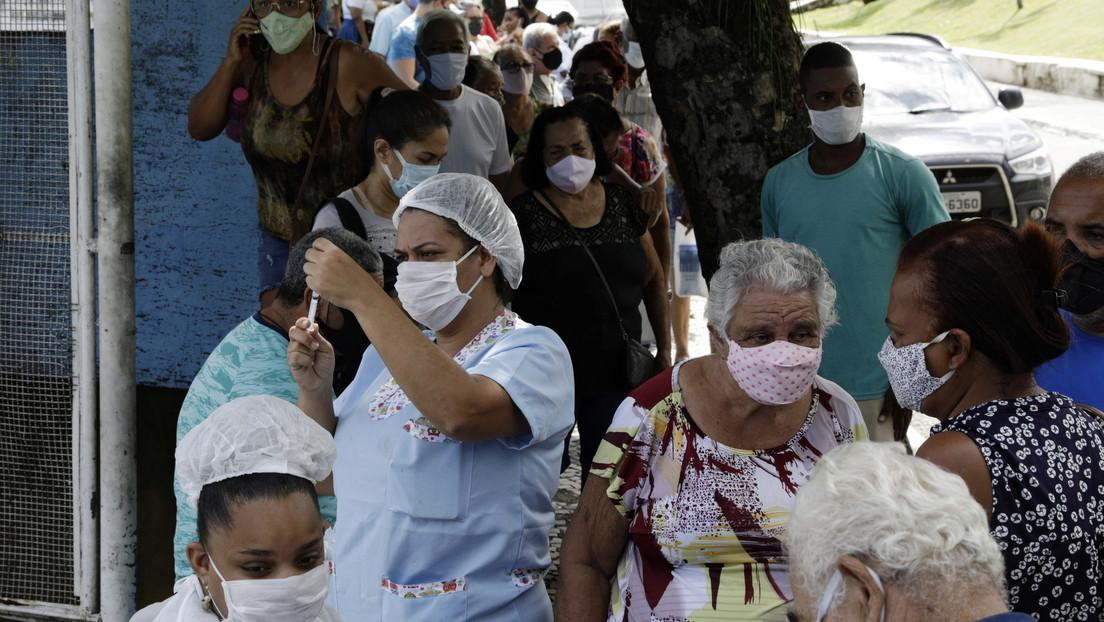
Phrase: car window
(920, 82)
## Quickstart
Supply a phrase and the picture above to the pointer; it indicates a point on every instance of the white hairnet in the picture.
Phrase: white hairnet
(474, 204)
(256, 434)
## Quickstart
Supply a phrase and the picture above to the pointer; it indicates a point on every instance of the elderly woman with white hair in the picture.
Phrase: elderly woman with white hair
(448, 441)
(879, 535)
(689, 496)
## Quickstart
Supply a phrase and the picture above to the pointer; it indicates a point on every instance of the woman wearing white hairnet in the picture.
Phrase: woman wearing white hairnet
(250, 470)
(449, 442)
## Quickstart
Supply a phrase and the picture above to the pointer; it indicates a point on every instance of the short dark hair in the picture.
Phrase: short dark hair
(217, 500)
(599, 113)
(824, 55)
(295, 280)
(478, 66)
(533, 169)
(996, 283)
(606, 54)
(402, 117)
(561, 18)
(501, 285)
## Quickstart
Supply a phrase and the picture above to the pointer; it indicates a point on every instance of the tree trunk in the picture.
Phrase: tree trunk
(723, 73)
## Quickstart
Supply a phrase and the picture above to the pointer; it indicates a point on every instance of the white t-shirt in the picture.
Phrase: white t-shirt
(347, 7)
(477, 140)
(380, 230)
(386, 22)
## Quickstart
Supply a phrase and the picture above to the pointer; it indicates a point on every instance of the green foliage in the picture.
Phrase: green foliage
(1069, 28)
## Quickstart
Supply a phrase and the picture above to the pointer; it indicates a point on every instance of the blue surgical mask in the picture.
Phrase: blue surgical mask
(412, 175)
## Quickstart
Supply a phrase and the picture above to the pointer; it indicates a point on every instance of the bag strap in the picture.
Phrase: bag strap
(594, 262)
(350, 219)
(331, 87)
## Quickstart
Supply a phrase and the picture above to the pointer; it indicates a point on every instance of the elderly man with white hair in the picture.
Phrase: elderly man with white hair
(690, 493)
(542, 42)
(879, 535)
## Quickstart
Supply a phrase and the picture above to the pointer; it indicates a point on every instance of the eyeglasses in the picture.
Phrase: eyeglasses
(514, 67)
(291, 8)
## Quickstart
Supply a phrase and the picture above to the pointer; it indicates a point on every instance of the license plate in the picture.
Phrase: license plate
(962, 202)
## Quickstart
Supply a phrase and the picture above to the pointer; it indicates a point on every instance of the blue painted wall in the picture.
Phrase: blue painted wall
(195, 203)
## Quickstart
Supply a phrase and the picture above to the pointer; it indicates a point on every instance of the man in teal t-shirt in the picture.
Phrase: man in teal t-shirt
(855, 201)
(252, 360)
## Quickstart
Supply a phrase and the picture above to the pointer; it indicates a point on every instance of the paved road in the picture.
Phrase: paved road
(1071, 127)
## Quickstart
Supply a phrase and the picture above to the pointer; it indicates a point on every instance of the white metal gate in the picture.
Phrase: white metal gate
(48, 530)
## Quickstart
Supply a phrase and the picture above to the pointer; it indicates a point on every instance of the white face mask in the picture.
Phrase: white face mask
(571, 174)
(517, 82)
(908, 372)
(834, 585)
(429, 293)
(634, 55)
(446, 71)
(837, 126)
(291, 599)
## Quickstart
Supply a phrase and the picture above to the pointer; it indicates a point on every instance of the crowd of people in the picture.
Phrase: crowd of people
(464, 240)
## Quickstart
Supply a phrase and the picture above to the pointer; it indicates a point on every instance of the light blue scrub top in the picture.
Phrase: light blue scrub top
(434, 529)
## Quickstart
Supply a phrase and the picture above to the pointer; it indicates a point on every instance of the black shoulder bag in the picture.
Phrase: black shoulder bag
(638, 364)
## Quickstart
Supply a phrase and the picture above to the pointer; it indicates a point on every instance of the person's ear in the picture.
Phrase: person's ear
(959, 347)
(382, 150)
(199, 561)
(717, 344)
(859, 581)
(488, 264)
(799, 100)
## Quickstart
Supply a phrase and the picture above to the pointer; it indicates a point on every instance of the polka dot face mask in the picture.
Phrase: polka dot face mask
(775, 374)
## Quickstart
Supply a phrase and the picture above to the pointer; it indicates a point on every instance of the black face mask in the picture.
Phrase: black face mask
(552, 60)
(1083, 281)
(475, 26)
(605, 91)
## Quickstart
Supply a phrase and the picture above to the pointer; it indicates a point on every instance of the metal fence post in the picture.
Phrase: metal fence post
(115, 252)
(78, 49)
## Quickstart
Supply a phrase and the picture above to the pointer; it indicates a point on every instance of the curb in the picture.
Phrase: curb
(1066, 76)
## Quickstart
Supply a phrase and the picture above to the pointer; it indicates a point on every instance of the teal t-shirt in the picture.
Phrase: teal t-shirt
(857, 221)
(250, 360)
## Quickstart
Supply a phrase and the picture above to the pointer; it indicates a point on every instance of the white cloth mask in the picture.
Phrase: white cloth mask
(446, 71)
(571, 174)
(284, 33)
(292, 599)
(837, 126)
(634, 55)
(412, 175)
(518, 82)
(429, 293)
(834, 585)
(908, 372)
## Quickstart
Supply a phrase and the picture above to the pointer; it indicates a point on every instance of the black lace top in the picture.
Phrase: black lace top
(560, 288)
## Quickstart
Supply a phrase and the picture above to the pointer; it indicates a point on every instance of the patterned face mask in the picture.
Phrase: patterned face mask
(908, 372)
(777, 373)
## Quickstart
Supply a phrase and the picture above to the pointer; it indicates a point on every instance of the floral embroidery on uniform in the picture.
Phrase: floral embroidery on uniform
(390, 398)
(423, 590)
(526, 577)
(422, 428)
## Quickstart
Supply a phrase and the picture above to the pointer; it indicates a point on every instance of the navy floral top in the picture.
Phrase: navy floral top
(1046, 462)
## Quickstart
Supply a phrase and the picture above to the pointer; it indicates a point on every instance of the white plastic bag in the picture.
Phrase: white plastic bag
(688, 276)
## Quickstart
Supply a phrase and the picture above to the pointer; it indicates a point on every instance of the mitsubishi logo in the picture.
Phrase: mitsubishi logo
(949, 178)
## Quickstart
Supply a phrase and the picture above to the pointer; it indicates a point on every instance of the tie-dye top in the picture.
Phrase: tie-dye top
(706, 520)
